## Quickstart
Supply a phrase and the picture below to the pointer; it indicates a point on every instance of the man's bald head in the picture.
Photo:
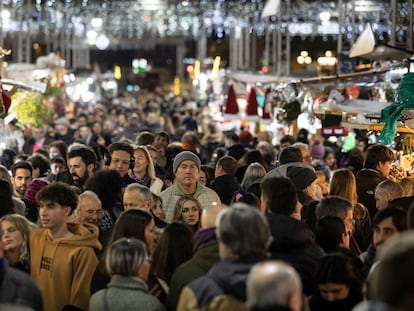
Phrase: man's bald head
(274, 283)
(209, 215)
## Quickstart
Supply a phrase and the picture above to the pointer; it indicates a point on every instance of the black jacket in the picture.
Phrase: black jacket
(225, 186)
(294, 243)
(367, 180)
(18, 288)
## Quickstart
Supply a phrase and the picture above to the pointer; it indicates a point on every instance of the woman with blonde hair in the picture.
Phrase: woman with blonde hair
(15, 234)
(188, 210)
(144, 171)
(408, 185)
(343, 184)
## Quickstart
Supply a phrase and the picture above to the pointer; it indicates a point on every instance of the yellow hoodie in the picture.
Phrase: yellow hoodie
(63, 268)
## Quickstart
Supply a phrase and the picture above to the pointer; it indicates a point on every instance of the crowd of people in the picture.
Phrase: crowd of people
(158, 209)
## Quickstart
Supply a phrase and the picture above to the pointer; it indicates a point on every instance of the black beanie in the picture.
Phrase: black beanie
(301, 177)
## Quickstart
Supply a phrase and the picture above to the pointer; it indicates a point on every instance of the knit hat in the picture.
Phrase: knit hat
(34, 187)
(185, 155)
(301, 177)
(317, 150)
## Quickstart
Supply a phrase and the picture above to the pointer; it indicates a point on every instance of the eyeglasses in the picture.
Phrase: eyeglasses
(91, 212)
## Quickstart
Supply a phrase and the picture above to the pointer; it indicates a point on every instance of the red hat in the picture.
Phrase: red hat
(34, 187)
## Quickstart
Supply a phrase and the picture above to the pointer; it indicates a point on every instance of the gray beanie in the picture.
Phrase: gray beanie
(185, 155)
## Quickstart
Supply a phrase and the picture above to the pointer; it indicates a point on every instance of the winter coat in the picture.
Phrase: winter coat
(225, 186)
(223, 288)
(126, 294)
(203, 259)
(17, 287)
(294, 243)
(367, 180)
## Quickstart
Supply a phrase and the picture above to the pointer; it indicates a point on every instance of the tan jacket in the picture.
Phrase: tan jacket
(188, 302)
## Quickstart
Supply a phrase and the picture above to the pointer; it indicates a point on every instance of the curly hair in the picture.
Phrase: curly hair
(58, 192)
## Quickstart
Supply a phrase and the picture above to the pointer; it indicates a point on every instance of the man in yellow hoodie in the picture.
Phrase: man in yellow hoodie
(62, 259)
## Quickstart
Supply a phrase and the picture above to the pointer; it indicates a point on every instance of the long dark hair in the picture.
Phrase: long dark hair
(130, 224)
(6, 197)
(169, 254)
(107, 185)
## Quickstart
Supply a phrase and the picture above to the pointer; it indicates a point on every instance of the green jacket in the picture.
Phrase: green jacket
(126, 294)
(205, 257)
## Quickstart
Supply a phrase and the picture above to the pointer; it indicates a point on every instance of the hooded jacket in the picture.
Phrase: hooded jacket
(126, 294)
(293, 242)
(63, 267)
(225, 186)
(223, 288)
(366, 181)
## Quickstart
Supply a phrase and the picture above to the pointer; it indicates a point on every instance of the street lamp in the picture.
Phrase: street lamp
(327, 63)
(304, 58)
(327, 60)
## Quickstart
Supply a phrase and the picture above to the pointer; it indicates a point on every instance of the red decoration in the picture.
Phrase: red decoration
(267, 104)
(5, 101)
(353, 90)
(252, 104)
(231, 102)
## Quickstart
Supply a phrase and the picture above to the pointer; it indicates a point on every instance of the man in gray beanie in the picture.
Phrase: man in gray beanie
(186, 168)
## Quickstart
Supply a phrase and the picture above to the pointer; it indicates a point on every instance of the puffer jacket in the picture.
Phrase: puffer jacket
(223, 288)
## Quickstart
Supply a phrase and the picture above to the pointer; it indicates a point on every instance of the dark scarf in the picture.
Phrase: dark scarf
(145, 181)
(204, 236)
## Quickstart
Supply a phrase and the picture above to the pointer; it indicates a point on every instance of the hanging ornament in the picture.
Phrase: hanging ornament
(232, 109)
(353, 90)
(252, 105)
(289, 111)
